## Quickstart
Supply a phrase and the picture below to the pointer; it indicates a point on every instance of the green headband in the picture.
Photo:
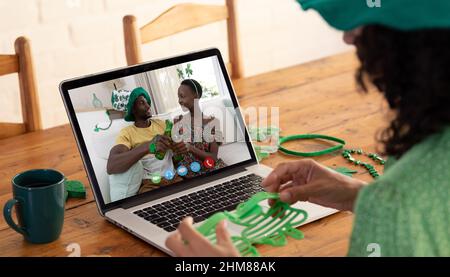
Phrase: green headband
(404, 15)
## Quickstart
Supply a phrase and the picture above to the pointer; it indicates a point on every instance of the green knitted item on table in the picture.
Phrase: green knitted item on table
(75, 189)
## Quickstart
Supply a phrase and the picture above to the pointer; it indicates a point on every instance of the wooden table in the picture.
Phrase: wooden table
(318, 97)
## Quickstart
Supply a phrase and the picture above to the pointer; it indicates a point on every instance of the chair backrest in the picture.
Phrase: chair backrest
(22, 63)
(180, 18)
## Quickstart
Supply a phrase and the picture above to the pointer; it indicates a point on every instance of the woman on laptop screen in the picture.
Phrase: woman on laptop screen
(201, 133)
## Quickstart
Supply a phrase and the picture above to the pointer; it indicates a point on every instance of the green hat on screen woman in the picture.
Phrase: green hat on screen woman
(405, 15)
(135, 93)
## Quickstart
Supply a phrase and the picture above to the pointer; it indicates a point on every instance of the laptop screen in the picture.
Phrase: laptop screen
(145, 128)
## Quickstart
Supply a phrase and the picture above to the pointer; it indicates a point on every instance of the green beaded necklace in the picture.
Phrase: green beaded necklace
(346, 153)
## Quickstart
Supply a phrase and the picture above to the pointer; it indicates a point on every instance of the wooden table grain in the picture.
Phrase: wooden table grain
(317, 97)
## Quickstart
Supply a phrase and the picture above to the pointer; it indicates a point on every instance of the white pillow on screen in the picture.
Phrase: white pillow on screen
(126, 184)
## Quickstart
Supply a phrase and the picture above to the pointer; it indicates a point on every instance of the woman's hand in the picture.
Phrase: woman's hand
(181, 148)
(162, 143)
(188, 242)
(307, 180)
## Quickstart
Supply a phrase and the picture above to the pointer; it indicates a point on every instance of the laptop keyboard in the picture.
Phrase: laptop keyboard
(203, 203)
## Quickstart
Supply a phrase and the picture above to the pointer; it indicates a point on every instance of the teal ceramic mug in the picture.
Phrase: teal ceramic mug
(39, 198)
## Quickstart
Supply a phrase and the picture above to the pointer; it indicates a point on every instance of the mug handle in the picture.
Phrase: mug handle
(7, 214)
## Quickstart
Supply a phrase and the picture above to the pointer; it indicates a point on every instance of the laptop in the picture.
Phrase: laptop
(149, 198)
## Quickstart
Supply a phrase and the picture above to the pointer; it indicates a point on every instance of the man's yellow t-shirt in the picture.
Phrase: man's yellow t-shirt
(132, 136)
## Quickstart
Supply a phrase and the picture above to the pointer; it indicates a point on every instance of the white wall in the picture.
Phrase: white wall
(76, 37)
(82, 97)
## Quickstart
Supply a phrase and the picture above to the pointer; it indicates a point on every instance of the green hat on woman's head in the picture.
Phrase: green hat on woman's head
(403, 15)
(135, 93)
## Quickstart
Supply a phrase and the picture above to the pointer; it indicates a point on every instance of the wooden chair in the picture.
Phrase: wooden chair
(22, 63)
(180, 18)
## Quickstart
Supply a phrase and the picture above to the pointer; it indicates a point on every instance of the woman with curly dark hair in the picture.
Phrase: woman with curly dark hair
(404, 50)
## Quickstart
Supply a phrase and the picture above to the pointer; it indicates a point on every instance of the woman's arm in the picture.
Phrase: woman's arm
(307, 180)
(214, 150)
(212, 125)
